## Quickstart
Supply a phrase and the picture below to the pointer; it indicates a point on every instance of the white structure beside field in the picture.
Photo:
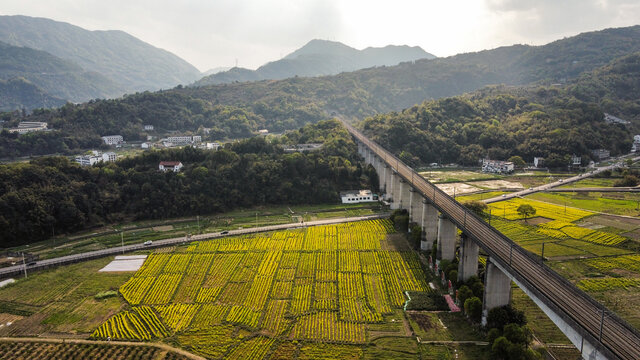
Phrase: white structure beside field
(357, 196)
(497, 166)
(112, 139)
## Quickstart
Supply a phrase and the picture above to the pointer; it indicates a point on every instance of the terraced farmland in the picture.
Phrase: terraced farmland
(249, 296)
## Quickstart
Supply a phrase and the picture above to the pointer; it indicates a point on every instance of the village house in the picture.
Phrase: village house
(497, 166)
(174, 166)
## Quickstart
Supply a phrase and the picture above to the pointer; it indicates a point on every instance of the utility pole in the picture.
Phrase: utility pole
(198, 219)
(24, 264)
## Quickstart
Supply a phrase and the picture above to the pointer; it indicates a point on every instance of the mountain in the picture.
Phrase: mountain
(240, 109)
(127, 61)
(320, 57)
(215, 70)
(54, 76)
(18, 93)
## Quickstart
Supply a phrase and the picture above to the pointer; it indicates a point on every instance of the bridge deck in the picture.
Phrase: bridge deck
(601, 327)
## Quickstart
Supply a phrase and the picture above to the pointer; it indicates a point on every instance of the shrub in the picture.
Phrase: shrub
(473, 308)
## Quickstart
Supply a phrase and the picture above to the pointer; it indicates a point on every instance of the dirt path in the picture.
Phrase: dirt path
(114, 343)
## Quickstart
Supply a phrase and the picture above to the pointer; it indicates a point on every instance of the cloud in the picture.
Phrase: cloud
(540, 21)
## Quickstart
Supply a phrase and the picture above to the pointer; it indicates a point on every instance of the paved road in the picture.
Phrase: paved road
(560, 182)
(18, 270)
(597, 324)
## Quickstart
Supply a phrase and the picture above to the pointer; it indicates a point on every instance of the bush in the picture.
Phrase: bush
(501, 316)
(464, 293)
(478, 207)
(628, 180)
(493, 334)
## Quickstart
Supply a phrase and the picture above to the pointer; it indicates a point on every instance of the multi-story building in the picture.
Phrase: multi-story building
(357, 196)
(174, 166)
(497, 166)
(112, 139)
(29, 126)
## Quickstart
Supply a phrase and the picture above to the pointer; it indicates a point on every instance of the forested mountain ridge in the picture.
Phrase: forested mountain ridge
(129, 62)
(55, 77)
(240, 109)
(320, 57)
(52, 194)
(499, 122)
(18, 93)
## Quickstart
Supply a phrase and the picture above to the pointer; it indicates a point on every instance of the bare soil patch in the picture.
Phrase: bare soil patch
(498, 184)
(624, 223)
(460, 188)
(635, 234)
(163, 228)
(395, 242)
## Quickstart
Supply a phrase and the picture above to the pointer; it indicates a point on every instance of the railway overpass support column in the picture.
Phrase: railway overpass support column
(447, 232)
(402, 193)
(429, 225)
(412, 197)
(497, 290)
(394, 189)
(468, 265)
(383, 180)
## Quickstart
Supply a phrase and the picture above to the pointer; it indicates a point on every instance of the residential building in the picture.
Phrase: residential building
(29, 126)
(576, 160)
(196, 138)
(497, 166)
(174, 166)
(112, 139)
(601, 154)
(303, 147)
(212, 146)
(538, 161)
(614, 120)
(148, 127)
(636, 144)
(263, 132)
(357, 196)
(96, 157)
(180, 139)
(145, 145)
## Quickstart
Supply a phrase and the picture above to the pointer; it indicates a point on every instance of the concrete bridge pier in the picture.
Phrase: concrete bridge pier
(497, 290)
(447, 232)
(400, 192)
(413, 197)
(468, 265)
(383, 178)
(429, 225)
(394, 189)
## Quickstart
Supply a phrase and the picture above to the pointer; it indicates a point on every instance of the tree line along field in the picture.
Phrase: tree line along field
(261, 295)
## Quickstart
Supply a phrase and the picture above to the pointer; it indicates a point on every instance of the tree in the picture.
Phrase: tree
(478, 207)
(473, 308)
(464, 293)
(526, 210)
(517, 161)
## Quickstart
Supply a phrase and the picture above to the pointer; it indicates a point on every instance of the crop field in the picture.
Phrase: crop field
(17, 350)
(252, 296)
(508, 209)
(618, 203)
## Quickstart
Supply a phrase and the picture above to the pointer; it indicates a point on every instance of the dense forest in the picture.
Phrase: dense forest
(52, 194)
(499, 122)
(240, 109)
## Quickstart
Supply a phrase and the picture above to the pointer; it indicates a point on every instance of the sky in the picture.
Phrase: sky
(217, 33)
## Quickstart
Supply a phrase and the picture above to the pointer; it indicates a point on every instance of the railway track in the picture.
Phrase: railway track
(602, 328)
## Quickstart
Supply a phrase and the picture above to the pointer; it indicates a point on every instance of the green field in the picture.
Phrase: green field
(610, 203)
(138, 232)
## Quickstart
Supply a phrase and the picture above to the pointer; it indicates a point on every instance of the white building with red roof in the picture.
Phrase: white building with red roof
(174, 166)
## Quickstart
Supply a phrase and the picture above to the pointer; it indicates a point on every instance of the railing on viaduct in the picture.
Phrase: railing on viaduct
(609, 334)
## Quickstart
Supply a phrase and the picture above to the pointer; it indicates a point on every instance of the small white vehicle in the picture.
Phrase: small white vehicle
(148, 242)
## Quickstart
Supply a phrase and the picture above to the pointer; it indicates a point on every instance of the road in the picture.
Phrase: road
(18, 270)
(554, 184)
(598, 325)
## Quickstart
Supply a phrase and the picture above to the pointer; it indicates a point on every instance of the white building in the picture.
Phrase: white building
(174, 166)
(89, 160)
(601, 154)
(263, 132)
(112, 139)
(357, 196)
(212, 146)
(196, 138)
(29, 126)
(148, 127)
(145, 145)
(608, 118)
(497, 166)
(303, 147)
(538, 161)
(636, 144)
(576, 160)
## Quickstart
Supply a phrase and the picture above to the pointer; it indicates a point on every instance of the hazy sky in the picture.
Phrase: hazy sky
(212, 33)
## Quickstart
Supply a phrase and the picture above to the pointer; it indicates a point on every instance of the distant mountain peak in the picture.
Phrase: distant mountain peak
(322, 57)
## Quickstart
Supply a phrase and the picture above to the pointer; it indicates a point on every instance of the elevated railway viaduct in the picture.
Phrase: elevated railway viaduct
(596, 331)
